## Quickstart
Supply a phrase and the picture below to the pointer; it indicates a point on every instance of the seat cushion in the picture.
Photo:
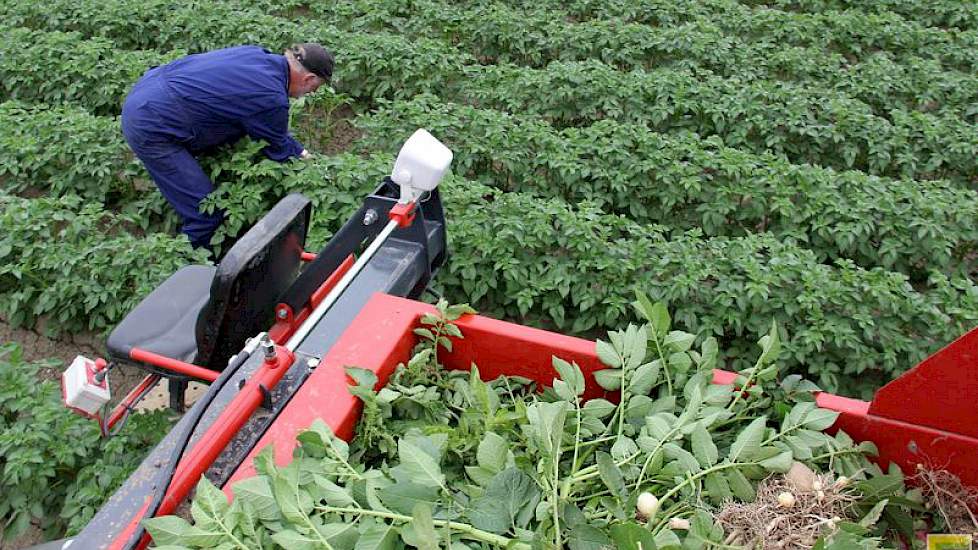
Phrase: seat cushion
(165, 321)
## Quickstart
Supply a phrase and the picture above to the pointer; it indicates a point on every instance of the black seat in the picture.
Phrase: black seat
(202, 314)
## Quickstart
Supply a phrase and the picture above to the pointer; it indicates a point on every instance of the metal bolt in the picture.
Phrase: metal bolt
(282, 313)
(312, 362)
(370, 217)
(269, 350)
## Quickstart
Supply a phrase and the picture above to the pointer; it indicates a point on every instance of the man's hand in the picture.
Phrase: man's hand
(305, 155)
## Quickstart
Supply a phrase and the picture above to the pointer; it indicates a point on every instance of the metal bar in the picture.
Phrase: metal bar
(308, 256)
(127, 402)
(171, 364)
(334, 295)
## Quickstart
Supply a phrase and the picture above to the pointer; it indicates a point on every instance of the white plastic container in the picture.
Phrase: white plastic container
(420, 165)
(81, 390)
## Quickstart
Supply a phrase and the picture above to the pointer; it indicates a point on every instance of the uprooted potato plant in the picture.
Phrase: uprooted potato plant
(444, 459)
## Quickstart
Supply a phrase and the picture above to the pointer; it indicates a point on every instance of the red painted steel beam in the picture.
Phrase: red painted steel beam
(174, 365)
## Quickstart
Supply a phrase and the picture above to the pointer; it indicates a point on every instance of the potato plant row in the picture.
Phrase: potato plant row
(545, 262)
(962, 14)
(93, 72)
(682, 180)
(97, 74)
(502, 34)
(687, 182)
(850, 32)
(806, 125)
(535, 38)
(63, 150)
(76, 266)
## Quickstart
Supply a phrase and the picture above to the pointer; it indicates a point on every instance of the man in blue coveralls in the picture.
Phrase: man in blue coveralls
(196, 103)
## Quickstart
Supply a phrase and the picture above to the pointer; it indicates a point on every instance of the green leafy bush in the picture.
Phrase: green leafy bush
(77, 265)
(55, 470)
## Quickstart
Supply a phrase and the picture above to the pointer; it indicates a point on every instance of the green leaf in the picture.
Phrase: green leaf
(210, 504)
(586, 537)
(610, 474)
(820, 419)
(703, 447)
(742, 488)
(688, 461)
(748, 441)
(679, 340)
(780, 463)
(294, 540)
(570, 373)
(173, 530)
(770, 344)
(547, 425)
(717, 486)
(492, 452)
(333, 494)
(362, 377)
(598, 408)
(507, 494)
(257, 492)
(379, 536)
(607, 354)
(874, 514)
(418, 465)
(404, 496)
(609, 379)
(631, 536)
(643, 379)
(421, 532)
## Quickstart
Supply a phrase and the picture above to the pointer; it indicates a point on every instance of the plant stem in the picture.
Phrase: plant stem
(478, 534)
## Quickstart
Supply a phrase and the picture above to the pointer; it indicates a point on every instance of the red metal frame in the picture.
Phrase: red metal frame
(402, 213)
(307, 256)
(285, 326)
(381, 337)
(168, 363)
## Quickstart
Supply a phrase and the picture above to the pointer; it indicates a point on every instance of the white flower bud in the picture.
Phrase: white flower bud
(647, 505)
(786, 500)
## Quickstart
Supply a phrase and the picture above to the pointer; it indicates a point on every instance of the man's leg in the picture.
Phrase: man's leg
(184, 184)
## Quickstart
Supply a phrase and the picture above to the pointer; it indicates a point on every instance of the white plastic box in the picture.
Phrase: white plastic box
(80, 388)
(420, 165)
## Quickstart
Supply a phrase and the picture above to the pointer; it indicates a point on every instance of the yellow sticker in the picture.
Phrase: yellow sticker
(949, 542)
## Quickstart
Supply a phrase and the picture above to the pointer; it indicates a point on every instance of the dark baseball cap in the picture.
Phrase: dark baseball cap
(317, 59)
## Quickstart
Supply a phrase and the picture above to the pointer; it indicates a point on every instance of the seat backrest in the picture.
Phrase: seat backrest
(250, 281)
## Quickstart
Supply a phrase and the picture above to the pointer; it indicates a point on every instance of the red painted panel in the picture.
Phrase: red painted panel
(941, 392)
(378, 339)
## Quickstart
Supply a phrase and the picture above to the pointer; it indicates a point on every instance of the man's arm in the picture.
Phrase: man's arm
(273, 127)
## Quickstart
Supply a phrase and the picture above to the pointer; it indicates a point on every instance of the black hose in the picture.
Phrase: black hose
(165, 476)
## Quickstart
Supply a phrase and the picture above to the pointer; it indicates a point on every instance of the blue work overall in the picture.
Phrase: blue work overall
(196, 103)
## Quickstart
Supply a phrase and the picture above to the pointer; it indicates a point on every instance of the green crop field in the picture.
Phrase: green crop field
(812, 163)
(809, 162)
